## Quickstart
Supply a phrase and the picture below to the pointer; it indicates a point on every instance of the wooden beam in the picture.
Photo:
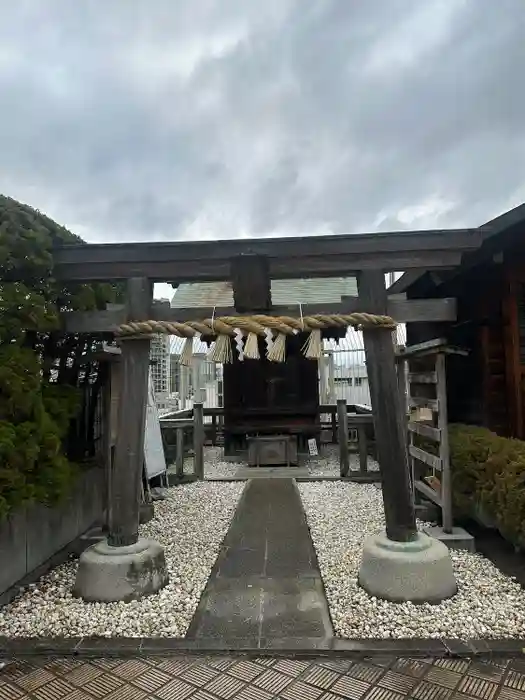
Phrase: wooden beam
(93, 321)
(312, 267)
(444, 447)
(342, 437)
(299, 256)
(403, 310)
(389, 419)
(426, 431)
(282, 268)
(403, 394)
(363, 449)
(251, 284)
(423, 310)
(129, 450)
(423, 402)
(179, 459)
(428, 492)
(176, 423)
(198, 440)
(425, 457)
(106, 370)
(357, 420)
(430, 347)
(422, 378)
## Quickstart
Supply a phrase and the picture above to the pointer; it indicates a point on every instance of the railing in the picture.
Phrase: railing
(427, 428)
(214, 424)
(361, 422)
(192, 428)
(189, 422)
(349, 424)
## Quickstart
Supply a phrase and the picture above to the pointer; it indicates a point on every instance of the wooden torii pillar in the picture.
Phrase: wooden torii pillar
(402, 564)
(389, 419)
(124, 567)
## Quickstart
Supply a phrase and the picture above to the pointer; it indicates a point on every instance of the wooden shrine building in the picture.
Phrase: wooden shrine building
(263, 397)
(487, 387)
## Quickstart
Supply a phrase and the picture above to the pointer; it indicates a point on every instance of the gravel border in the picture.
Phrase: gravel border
(324, 465)
(190, 524)
(340, 515)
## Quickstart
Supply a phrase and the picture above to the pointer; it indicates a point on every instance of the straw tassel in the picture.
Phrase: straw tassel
(221, 351)
(313, 347)
(186, 355)
(251, 348)
(277, 352)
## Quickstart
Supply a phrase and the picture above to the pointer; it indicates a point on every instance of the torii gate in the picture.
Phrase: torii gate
(124, 567)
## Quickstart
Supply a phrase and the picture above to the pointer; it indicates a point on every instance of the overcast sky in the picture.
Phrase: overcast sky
(133, 120)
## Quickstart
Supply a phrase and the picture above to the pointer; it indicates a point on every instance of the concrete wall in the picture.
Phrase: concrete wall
(35, 533)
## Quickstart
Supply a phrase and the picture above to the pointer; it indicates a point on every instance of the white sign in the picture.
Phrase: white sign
(312, 447)
(154, 459)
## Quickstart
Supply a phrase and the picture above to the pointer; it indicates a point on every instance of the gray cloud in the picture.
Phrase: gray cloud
(220, 118)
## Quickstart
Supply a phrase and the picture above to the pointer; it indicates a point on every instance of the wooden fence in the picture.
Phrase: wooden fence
(187, 432)
(424, 366)
(187, 427)
(354, 425)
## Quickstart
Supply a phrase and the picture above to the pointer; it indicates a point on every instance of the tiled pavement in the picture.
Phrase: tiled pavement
(223, 678)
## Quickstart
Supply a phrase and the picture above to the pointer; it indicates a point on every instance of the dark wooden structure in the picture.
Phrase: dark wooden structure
(487, 387)
(428, 422)
(263, 398)
(367, 255)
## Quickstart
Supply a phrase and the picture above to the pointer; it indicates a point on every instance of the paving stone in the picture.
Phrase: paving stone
(266, 571)
(237, 678)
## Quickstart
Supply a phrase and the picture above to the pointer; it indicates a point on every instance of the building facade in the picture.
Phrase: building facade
(160, 363)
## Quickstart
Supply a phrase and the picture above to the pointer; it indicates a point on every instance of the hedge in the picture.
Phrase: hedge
(40, 368)
(488, 471)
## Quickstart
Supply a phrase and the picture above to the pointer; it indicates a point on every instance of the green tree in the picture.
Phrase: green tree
(41, 368)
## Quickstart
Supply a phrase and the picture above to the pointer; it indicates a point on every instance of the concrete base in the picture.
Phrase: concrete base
(457, 539)
(419, 571)
(108, 574)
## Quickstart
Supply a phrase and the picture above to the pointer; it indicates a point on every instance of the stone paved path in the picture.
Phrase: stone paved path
(266, 583)
(227, 678)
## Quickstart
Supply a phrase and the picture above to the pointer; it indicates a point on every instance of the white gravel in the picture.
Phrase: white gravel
(340, 515)
(216, 467)
(327, 463)
(190, 524)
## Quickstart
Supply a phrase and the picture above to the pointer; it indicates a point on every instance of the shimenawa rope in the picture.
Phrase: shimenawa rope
(255, 326)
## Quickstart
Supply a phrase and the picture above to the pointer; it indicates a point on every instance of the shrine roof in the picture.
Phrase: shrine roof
(284, 292)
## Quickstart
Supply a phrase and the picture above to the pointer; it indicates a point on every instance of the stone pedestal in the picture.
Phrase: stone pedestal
(107, 574)
(419, 571)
